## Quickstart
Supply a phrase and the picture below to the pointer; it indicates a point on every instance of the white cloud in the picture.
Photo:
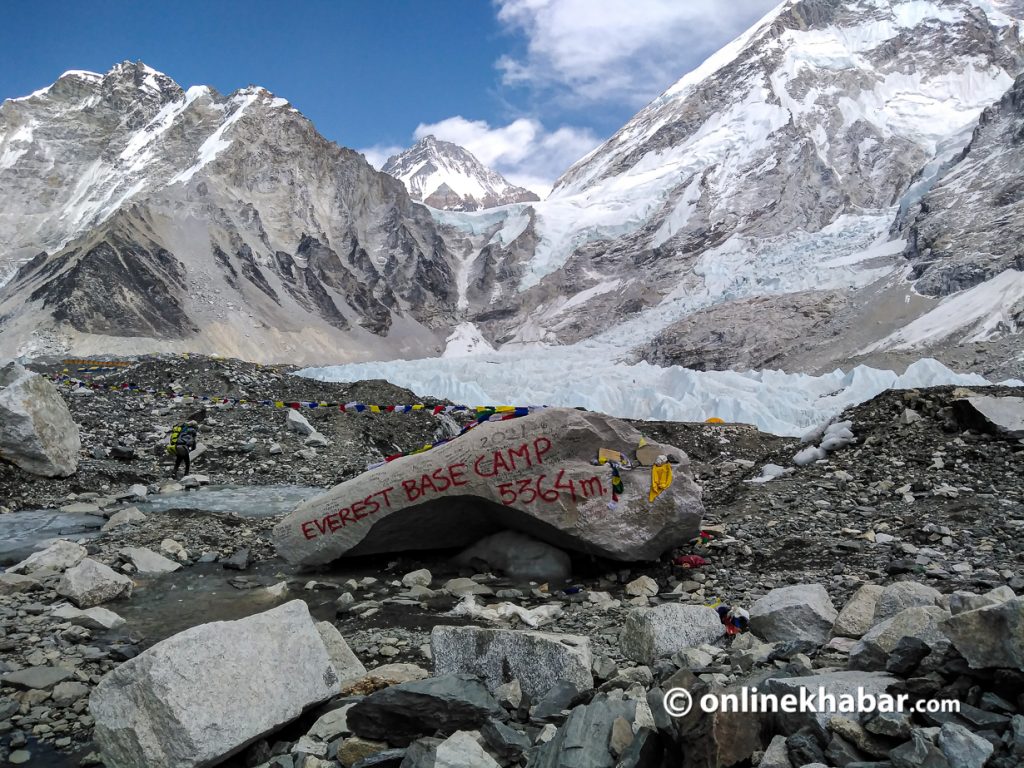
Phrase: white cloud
(378, 154)
(523, 151)
(609, 51)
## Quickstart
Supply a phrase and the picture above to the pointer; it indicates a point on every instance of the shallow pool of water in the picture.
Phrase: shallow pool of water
(24, 532)
(247, 501)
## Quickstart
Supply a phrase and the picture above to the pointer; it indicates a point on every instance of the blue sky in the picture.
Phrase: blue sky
(529, 86)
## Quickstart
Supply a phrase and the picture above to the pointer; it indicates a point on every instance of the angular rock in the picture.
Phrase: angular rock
(873, 649)
(907, 656)
(90, 618)
(347, 665)
(36, 678)
(275, 662)
(404, 712)
(583, 742)
(296, 422)
(649, 634)
(59, 556)
(1000, 415)
(531, 474)
(918, 753)
(962, 748)
(560, 697)
(354, 751)
(147, 562)
(13, 583)
(507, 743)
(460, 750)
(462, 586)
(857, 616)
(902, 595)
(240, 561)
(126, 516)
(839, 684)
(990, 637)
(799, 612)
(91, 583)
(960, 602)
(420, 578)
(644, 586)
(519, 557)
(37, 432)
(331, 725)
(538, 660)
(67, 693)
(392, 674)
(776, 755)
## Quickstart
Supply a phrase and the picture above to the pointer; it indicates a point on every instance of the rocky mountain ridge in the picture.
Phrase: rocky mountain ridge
(190, 220)
(446, 176)
(804, 157)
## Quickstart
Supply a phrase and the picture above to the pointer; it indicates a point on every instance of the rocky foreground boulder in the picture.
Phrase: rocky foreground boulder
(205, 693)
(37, 432)
(537, 474)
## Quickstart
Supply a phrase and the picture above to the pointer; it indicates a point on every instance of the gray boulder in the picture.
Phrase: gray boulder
(961, 602)
(845, 683)
(518, 556)
(857, 616)
(59, 556)
(346, 664)
(91, 583)
(991, 636)
(877, 643)
(90, 618)
(148, 562)
(13, 583)
(532, 474)
(36, 678)
(127, 516)
(649, 634)
(1000, 415)
(799, 612)
(460, 750)
(962, 748)
(538, 660)
(204, 694)
(296, 422)
(37, 432)
(402, 713)
(584, 741)
(902, 595)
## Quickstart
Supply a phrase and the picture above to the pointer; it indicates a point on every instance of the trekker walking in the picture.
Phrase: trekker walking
(183, 440)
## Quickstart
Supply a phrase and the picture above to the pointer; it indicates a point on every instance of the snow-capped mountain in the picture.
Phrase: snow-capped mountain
(778, 166)
(446, 176)
(801, 200)
(140, 216)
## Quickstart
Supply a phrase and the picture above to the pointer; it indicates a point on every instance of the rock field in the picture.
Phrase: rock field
(891, 561)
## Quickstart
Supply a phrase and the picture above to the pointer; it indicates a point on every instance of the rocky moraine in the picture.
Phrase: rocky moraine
(884, 553)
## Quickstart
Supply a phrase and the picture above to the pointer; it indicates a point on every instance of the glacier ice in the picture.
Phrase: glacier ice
(581, 376)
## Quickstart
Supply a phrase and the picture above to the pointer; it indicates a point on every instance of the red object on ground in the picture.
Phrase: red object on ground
(690, 561)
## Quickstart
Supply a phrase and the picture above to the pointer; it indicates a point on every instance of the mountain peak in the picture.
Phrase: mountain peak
(447, 176)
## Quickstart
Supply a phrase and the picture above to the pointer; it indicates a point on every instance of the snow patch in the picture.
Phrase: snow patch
(216, 143)
(981, 313)
(466, 340)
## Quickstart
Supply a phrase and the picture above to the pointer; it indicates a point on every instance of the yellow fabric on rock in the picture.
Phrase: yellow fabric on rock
(661, 478)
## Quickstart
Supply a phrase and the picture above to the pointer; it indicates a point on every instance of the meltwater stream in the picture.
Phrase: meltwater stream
(23, 532)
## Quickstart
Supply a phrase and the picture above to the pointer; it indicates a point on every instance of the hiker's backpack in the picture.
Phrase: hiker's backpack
(183, 435)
